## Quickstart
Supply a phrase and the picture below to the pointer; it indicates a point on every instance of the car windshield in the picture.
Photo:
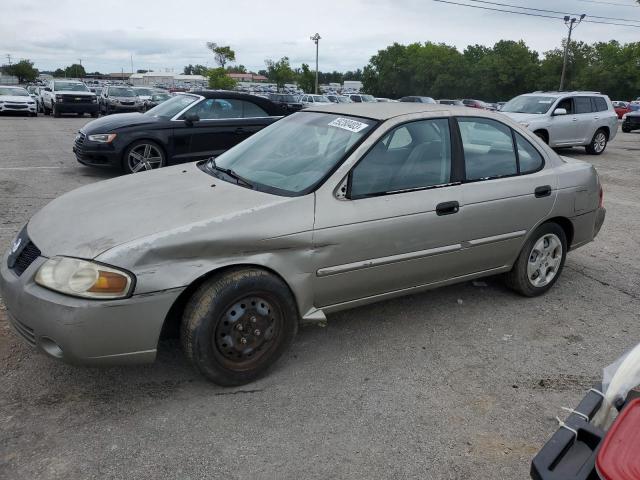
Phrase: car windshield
(292, 155)
(144, 91)
(70, 87)
(122, 92)
(320, 98)
(14, 91)
(368, 98)
(528, 104)
(172, 107)
(344, 100)
(160, 96)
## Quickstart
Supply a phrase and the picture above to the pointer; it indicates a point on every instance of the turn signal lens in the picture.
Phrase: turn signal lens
(82, 278)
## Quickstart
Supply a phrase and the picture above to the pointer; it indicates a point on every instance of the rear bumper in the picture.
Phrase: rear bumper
(587, 226)
(80, 331)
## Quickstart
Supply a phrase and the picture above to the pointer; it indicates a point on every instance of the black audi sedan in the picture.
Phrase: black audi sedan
(187, 127)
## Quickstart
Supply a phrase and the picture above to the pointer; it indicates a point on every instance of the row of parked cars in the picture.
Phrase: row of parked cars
(71, 96)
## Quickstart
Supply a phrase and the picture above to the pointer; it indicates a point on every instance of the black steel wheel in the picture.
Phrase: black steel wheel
(236, 325)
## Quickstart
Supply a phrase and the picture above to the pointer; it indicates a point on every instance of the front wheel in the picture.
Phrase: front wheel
(598, 143)
(626, 130)
(540, 261)
(237, 325)
(55, 110)
(143, 155)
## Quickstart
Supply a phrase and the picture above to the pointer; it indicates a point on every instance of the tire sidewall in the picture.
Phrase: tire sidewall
(526, 287)
(212, 301)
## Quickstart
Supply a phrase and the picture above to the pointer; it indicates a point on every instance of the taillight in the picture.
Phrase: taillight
(601, 203)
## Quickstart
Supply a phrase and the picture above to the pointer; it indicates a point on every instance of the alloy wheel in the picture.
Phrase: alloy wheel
(144, 157)
(599, 142)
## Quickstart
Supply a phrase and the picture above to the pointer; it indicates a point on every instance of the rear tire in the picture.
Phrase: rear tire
(540, 262)
(237, 325)
(598, 142)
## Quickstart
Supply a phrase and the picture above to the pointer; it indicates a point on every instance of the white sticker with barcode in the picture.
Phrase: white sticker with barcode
(348, 124)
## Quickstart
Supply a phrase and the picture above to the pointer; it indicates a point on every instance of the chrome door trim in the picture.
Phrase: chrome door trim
(495, 238)
(376, 262)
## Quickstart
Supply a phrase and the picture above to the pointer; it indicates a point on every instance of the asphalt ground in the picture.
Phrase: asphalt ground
(463, 382)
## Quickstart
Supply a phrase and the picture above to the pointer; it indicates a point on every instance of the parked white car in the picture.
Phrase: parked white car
(566, 119)
(17, 99)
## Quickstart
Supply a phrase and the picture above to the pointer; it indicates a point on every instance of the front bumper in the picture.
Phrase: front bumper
(81, 331)
(631, 123)
(19, 107)
(95, 154)
(64, 107)
(113, 108)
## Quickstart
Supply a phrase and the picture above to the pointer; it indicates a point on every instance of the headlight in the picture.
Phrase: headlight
(113, 100)
(82, 278)
(94, 99)
(623, 116)
(103, 137)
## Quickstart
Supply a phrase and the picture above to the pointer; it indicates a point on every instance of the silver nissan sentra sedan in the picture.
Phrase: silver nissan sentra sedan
(326, 209)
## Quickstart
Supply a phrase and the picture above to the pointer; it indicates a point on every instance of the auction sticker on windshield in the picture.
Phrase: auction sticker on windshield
(348, 124)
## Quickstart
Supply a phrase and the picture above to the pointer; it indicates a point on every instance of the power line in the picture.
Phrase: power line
(551, 11)
(531, 14)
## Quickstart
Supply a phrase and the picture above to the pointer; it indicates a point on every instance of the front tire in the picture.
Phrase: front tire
(626, 130)
(540, 261)
(598, 143)
(143, 155)
(237, 325)
(55, 111)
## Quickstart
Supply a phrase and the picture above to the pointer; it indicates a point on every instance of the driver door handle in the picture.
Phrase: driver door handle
(447, 208)
(239, 131)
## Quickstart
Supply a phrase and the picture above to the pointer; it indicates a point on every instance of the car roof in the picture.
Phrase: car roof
(385, 110)
(554, 93)
(271, 107)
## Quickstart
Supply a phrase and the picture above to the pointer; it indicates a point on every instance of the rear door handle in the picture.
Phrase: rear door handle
(543, 191)
(239, 131)
(447, 208)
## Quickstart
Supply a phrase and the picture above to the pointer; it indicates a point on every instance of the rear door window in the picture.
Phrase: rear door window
(488, 148)
(583, 104)
(530, 159)
(599, 104)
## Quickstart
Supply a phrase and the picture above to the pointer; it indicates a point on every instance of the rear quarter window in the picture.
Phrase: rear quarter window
(583, 104)
(600, 104)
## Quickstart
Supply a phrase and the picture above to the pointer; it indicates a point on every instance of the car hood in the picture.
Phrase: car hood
(118, 120)
(16, 98)
(95, 218)
(71, 93)
(523, 117)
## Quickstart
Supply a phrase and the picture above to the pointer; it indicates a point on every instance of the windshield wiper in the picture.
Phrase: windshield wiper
(229, 172)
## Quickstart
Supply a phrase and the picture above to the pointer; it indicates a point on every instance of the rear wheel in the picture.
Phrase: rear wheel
(143, 155)
(598, 143)
(540, 262)
(237, 325)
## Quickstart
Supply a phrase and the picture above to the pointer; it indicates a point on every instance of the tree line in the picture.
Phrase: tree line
(503, 71)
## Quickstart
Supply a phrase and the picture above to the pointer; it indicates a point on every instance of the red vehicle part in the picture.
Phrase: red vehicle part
(619, 454)
(620, 111)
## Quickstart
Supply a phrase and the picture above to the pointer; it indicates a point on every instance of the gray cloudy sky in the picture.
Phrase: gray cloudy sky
(162, 34)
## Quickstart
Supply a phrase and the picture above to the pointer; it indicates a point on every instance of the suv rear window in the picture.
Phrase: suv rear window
(599, 104)
(583, 104)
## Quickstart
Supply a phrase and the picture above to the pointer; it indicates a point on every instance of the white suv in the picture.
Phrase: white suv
(566, 119)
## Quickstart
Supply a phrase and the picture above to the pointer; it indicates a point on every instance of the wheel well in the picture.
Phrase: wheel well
(543, 133)
(566, 225)
(171, 325)
(606, 131)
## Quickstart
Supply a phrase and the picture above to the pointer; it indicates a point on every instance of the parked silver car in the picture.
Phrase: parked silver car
(326, 209)
(566, 119)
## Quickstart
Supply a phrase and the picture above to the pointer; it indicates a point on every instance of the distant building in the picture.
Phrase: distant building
(165, 78)
(352, 85)
(247, 77)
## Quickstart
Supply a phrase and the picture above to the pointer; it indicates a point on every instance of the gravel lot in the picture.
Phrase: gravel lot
(457, 383)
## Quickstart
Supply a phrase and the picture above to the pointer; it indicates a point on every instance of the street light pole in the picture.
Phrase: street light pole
(570, 22)
(316, 38)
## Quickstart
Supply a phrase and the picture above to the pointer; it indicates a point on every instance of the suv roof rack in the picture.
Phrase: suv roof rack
(568, 91)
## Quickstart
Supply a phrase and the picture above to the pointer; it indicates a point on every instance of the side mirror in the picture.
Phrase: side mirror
(560, 111)
(191, 118)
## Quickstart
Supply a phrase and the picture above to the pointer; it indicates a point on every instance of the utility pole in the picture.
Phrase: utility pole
(571, 23)
(316, 38)
(131, 64)
(77, 69)
(9, 58)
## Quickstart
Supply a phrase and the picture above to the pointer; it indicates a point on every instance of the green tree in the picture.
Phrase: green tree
(279, 72)
(58, 73)
(24, 70)
(219, 80)
(237, 69)
(306, 78)
(222, 54)
(75, 70)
